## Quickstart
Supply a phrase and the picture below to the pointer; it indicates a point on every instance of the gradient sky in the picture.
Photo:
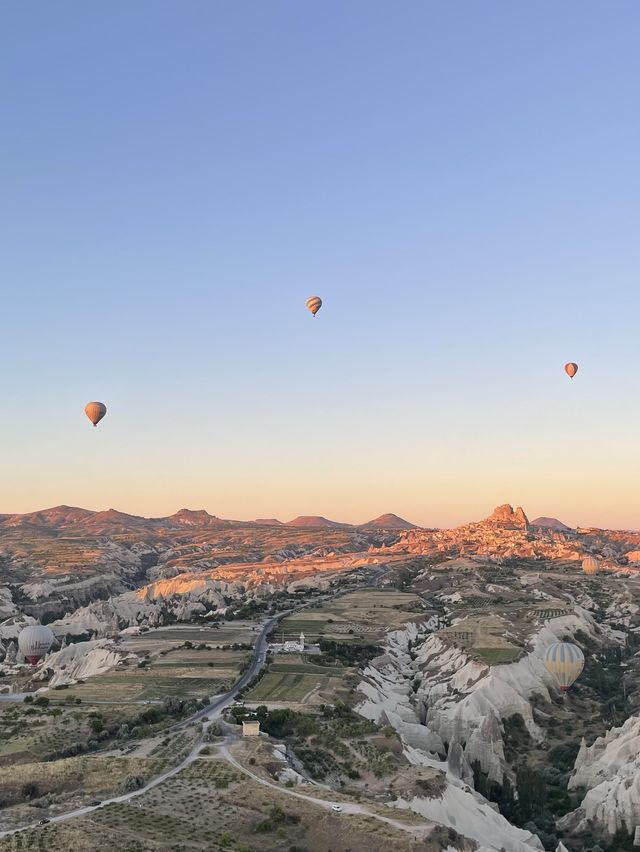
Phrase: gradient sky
(459, 181)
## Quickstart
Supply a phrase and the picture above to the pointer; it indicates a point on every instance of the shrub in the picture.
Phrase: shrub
(132, 783)
(30, 790)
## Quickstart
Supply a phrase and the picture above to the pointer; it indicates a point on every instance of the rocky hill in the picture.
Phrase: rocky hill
(549, 523)
(389, 522)
(315, 521)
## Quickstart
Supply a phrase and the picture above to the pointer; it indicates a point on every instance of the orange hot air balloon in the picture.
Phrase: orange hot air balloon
(95, 411)
(314, 303)
(571, 369)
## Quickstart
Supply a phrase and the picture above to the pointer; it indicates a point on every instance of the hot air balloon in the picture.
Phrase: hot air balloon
(565, 662)
(95, 411)
(571, 369)
(314, 303)
(590, 565)
(34, 641)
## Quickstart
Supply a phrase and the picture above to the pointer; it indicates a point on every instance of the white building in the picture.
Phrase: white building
(289, 647)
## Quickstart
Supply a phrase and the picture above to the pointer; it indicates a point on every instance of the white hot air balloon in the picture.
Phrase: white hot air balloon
(34, 641)
(565, 662)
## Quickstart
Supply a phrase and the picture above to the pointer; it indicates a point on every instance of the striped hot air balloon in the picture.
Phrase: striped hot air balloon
(95, 411)
(34, 641)
(565, 662)
(590, 565)
(571, 369)
(314, 303)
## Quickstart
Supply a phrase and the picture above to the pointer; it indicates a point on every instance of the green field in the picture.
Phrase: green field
(283, 686)
(307, 668)
(166, 638)
(182, 672)
(293, 677)
(145, 685)
(495, 656)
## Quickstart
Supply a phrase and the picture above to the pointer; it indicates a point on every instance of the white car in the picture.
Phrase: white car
(336, 808)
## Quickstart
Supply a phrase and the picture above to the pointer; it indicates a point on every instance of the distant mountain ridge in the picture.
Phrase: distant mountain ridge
(77, 520)
(57, 517)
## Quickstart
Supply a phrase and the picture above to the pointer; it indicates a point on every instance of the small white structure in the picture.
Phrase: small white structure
(251, 728)
(289, 647)
(295, 647)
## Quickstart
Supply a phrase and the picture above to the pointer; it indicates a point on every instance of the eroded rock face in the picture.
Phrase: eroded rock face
(7, 606)
(459, 701)
(610, 770)
(153, 606)
(505, 516)
(473, 817)
(81, 661)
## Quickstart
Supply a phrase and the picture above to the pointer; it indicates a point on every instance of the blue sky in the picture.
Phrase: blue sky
(458, 181)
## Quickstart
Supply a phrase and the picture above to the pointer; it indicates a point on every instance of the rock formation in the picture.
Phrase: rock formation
(610, 770)
(504, 516)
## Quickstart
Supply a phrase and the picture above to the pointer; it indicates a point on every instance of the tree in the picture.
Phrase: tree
(531, 791)
(30, 790)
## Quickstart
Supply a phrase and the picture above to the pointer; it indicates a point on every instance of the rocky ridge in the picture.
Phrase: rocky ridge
(610, 770)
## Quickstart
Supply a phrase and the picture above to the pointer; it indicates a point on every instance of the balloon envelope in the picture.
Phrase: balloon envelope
(95, 411)
(314, 303)
(571, 369)
(34, 641)
(565, 662)
(590, 565)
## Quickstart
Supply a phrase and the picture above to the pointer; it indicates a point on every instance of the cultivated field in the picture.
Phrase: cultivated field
(30, 733)
(172, 664)
(293, 678)
(283, 687)
(212, 806)
(33, 790)
(162, 638)
(362, 615)
(483, 636)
